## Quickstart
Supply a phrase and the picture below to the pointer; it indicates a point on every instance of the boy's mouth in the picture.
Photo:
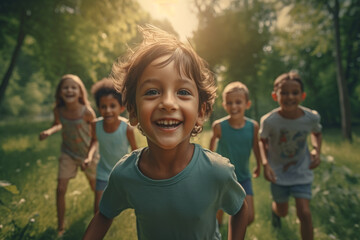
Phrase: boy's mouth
(168, 123)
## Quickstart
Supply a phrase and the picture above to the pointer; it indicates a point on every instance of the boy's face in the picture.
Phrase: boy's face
(70, 91)
(167, 105)
(110, 109)
(289, 95)
(235, 104)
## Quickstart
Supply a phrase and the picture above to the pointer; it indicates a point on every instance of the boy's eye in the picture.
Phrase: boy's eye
(184, 92)
(151, 92)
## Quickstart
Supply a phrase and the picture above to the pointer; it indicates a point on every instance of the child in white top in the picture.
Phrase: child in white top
(287, 161)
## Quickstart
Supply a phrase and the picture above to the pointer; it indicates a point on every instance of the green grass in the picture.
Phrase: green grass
(27, 206)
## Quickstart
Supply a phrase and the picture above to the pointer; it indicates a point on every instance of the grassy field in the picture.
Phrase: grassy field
(28, 171)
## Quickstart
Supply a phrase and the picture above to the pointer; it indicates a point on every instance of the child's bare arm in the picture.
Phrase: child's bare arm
(130, 133)
(98, 227)
(256, 150)
(268, 172)
(215, 136)
(93, 146)
(238, 223)
(56, 126)
(316, 140)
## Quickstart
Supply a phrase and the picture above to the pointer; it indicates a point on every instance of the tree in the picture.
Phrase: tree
(232, 39)
(311, 30)
(81, 37)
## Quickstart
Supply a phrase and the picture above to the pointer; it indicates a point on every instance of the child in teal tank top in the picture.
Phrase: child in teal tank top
(112, 132)
(236, 136)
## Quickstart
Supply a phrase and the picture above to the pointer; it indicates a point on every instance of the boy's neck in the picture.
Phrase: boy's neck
(291, 114)
(158, 163)
(111, 127)
(236, 122)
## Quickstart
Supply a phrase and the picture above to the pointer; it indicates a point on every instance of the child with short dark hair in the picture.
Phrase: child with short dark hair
(73, 116)
(174, 186)
(237, 135)
(111, 131)
(287, 161)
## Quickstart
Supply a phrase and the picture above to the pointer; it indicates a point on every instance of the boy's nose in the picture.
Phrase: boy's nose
(168, 102)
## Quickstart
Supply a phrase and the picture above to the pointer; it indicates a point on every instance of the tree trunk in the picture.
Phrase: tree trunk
(15, 54)
(341, 81)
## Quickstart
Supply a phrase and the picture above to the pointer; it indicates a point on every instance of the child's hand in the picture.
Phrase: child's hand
(315, 158)
(85, 164)
(256, 172)
(269, 173)
(43, 135)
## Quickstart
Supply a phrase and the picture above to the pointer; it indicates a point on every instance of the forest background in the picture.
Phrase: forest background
(41, 40)
(242, 40)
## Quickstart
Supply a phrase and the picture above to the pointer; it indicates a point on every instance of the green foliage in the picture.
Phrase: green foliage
(232, 41)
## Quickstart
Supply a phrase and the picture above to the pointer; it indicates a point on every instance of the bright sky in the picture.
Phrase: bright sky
(178, 12)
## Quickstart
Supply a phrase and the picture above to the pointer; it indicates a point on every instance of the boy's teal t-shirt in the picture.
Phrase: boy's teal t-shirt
(236, 144)
(181, 207)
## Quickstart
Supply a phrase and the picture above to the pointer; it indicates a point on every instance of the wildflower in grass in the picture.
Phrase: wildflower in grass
(22, 201)
(330, 159)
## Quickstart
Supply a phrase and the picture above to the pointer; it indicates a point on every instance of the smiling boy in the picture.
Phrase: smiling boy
(174, 186)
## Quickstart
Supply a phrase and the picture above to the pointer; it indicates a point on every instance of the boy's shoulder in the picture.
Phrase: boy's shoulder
(270, 115)
(310, 113)
(215, 161)
(220, 120)
(128, 160)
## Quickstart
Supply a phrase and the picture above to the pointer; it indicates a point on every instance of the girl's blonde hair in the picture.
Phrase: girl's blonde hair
(83, 99)
(156, 44)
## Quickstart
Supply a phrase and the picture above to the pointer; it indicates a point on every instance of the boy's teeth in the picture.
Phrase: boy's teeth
(168, 122)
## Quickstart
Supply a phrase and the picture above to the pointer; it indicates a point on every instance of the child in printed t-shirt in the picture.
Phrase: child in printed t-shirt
(111, 131)
(174, 186)
(73, 115)
(237, 136)
(286, 158)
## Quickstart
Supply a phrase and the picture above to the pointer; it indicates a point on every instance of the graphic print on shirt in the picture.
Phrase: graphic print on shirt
(291, 142)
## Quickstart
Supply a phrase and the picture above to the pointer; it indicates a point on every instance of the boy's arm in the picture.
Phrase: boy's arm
(93, 146)
(238, 223)
(256, 150)
(98, 227)
(130, 134)
(316, 140)
(215, 136)
(268, 172)
(54, 128)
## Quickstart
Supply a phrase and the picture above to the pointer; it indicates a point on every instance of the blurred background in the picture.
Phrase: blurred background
(252, 41)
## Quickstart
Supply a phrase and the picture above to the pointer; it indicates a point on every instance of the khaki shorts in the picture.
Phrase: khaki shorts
(68, 167)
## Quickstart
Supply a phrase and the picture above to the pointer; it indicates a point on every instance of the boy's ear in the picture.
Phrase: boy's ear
(274, 96)
(303, 96)
(122, 109)
(248, 104)
(201, 116)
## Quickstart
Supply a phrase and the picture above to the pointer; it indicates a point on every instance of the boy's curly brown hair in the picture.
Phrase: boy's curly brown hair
(157, 43)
